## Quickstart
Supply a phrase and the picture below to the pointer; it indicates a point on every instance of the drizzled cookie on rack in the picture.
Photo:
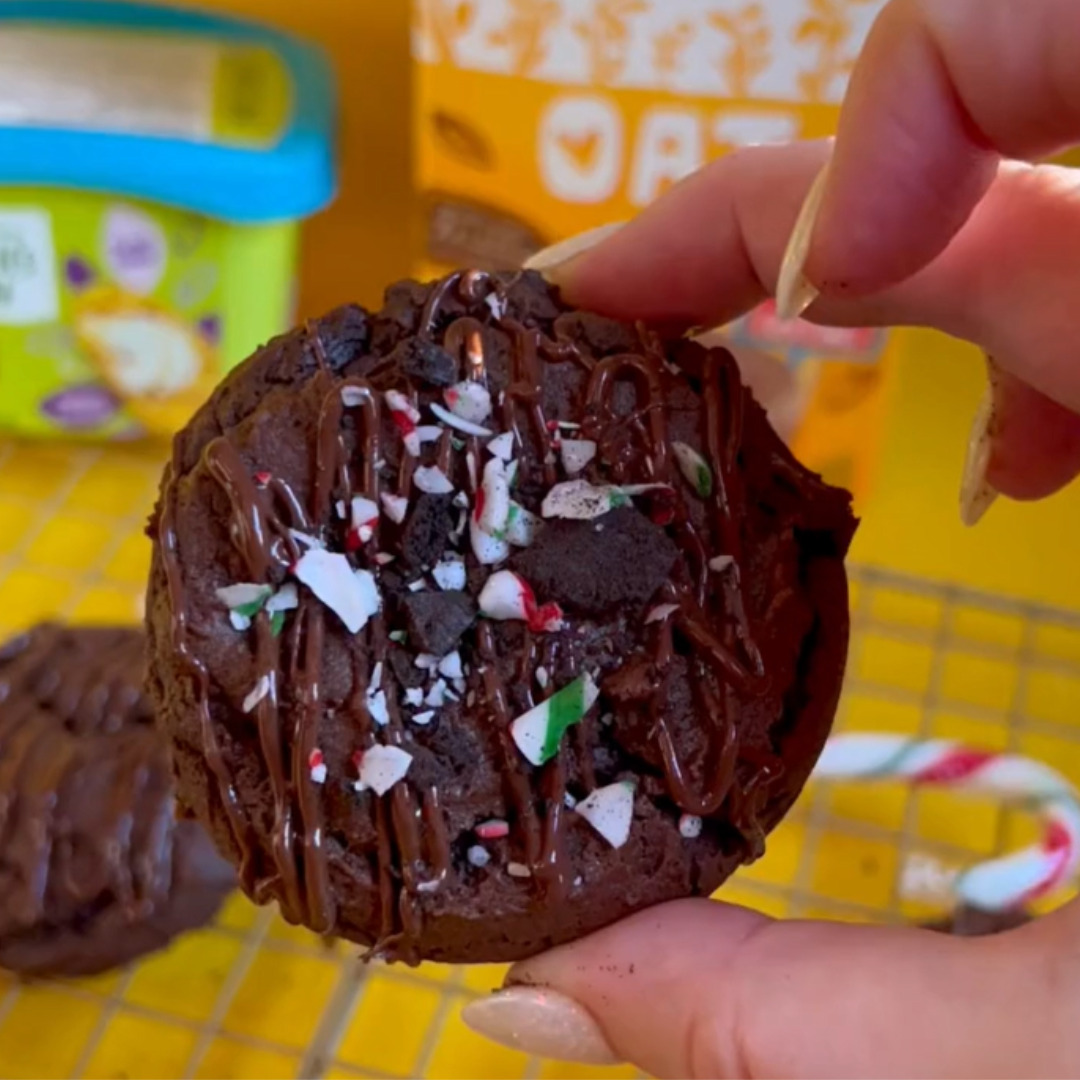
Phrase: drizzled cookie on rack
(480, 622)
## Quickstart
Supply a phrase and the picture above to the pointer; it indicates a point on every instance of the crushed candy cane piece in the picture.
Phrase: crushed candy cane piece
(424, 718)
(690, 826)
(351, 594)
(426, 662)
(429, 433)
(416, 586)
(384, 558)
(576, 454)
(436, 696)
(398, 402)
(694, 468)
(719, 563)
(263, 688)
(502, 446)
(459, 422)
(378, 707)
(507, 595)
(538, 733)
(610, 810)
(400, 636)
(478, 856)
(493, 503)
(352, 396)
(512, 474)
(542, 677)
(376, 676)
(263, 477)
(364, 516)
(493, 829)
(518, 870)
(450, 665)
(660, 613)
(469, 400)
(287, 598)
(414, 696)
(521, 526)
(381, 767)
(578, 500)
(459, 685)
(488, 549)
(238, 621)
(449, 574)
(277, 623)
(472, 469)
(461, 501)
(569, 801)
(394, 506)
(317, 766)
(497, 304)
(339, 508)
(244, 598)
(432, 480)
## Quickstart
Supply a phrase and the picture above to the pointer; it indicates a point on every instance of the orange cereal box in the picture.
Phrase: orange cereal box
(537, 119)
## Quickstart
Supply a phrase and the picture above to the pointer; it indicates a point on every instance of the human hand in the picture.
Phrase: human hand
(921, 220)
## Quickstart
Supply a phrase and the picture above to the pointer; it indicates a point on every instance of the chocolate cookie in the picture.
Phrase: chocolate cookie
(94, 871)
(491, 622)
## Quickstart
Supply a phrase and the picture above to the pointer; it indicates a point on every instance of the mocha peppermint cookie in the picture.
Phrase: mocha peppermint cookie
(94, 870)
(480, 622)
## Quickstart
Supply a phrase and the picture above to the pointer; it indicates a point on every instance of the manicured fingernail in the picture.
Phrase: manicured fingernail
(976, 492)
(542, 1022)
(558, 255)
(794, 291)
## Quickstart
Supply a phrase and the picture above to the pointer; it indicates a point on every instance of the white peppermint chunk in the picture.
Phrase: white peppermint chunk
(450, 666)
(242, 594)
(381, 767)
(449, 574)
(394, 506)
(502, 446)
(576, 454)
(610, 810)
(377, 707)
(431, 479)
(469, 400)
(351, 594)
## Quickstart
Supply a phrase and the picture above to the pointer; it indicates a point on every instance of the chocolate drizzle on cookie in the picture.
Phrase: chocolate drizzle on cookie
(378, 441)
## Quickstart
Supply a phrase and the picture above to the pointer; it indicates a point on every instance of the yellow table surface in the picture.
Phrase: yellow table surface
(251, 997)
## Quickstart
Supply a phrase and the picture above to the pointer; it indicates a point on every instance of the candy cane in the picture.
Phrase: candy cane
(998, 884)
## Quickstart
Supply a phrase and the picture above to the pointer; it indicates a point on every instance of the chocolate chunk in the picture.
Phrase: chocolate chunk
(594, 566)
(436, 620)
(427, 530)
(426, 361)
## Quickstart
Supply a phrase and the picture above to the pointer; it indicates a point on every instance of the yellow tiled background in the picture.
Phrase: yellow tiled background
(253, 997)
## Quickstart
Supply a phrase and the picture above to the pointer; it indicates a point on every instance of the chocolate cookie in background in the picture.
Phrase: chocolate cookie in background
(969, 921)
(94, 870)
(479, 622)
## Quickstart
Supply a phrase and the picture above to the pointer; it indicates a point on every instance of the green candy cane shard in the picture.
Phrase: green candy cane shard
(277, 623)
(694, 468)
(538, 733)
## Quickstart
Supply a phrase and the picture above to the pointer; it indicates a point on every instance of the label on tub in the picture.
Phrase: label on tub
(29, 291)
(181, 86)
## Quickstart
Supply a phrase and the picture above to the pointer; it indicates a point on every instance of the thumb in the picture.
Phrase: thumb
(703, 989)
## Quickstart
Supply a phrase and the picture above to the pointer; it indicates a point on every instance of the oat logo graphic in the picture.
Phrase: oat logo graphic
(581, 148)
(28, 286)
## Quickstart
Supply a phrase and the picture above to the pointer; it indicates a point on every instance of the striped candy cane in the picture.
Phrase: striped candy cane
(998, 884)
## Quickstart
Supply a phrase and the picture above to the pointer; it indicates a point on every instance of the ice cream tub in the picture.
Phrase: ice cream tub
(155, 165)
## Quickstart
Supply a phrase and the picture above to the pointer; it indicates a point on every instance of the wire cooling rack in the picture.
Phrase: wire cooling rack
(253, 997)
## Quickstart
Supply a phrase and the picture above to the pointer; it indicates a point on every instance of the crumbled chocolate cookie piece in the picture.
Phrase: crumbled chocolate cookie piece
(427, 529)
(435, 621)
(426, 362)
(593, 567)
